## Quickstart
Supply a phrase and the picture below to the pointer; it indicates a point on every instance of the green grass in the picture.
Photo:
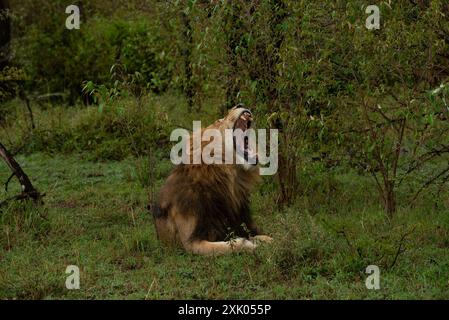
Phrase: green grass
(95, 217)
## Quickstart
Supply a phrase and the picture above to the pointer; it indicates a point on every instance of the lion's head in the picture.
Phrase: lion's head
(238, 121)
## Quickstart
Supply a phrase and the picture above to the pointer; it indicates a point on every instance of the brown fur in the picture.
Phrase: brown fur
(205, 208)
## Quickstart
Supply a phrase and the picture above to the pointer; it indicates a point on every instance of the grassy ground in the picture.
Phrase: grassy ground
(95, 217)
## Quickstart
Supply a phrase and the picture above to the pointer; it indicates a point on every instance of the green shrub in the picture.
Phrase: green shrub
(121, 130)
(60, 60)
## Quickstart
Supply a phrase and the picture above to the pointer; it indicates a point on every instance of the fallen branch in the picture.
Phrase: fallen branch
(28, 190)
(23, 196)
(7, 181)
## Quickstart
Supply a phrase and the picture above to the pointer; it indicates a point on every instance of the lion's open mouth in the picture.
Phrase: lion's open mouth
(241, 139)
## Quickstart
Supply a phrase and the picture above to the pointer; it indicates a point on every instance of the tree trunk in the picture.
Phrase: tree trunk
(390, 198)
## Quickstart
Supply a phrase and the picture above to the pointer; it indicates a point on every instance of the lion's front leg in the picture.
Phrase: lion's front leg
(185, 226)
(219, 247)
(261, 238)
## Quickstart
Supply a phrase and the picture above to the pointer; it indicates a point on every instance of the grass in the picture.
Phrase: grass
(95, 217)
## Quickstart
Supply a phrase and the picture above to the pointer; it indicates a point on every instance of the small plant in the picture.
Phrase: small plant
(134, 83)
(393, 136)
(145, 170)
(101, 94)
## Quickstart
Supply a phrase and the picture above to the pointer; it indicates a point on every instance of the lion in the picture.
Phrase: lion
(205, 207)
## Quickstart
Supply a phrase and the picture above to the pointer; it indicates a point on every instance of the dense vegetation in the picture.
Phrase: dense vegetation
(363, 117)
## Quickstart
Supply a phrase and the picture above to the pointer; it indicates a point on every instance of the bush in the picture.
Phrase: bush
(60, 60)
(121, 130)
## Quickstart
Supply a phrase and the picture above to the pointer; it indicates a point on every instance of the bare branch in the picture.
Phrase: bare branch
(400, 247)
(428, 182)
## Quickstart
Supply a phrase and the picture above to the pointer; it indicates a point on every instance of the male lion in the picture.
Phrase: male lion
(205, 207)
